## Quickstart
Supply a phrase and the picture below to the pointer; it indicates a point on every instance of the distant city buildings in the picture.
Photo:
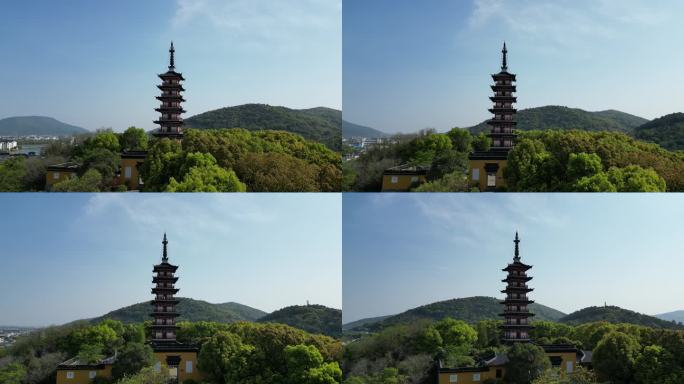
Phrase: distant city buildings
(360, 145)
(7, 145)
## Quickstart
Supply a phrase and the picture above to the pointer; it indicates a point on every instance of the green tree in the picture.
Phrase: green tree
(481, 142)
(12, 173)
(657, 365)
(461, 140)
(146, 376)
(305, 365)
(456, 333)
(615, 356)
(90, 353)
(163, 162)
(13, 373)
(225, 359)
(525, 363)
(88, 182)
(423, 149)
(103, 139)
(583, 165)
(277, 172)
(199, 173)
(633, 178)
(452, 182)
(104, 161)
(134, 139)
(132, 358)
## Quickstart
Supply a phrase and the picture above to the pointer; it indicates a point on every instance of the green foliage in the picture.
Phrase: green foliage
(657, 365)
(525, 363)
(563, 118)
(482, 142)
(199, 173)
(590, 161)
(667, 131)
(145, 376)
(322, 125)
(132, 358)
(266, 160)
(615, 357)
(190, 310)
(12, 172)
(311, 318)
(90, 353)
(461, 140)
(451, 182)
(423, 149)
(12, 374)
(90, 181)
(305, 365)
(470, 310)
(456, 332)
(614, 314)
(559, 376)
(134, 139)
(225, 359)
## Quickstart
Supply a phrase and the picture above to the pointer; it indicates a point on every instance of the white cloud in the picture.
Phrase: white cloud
(260, 21)
(195, 213)
(555, 25)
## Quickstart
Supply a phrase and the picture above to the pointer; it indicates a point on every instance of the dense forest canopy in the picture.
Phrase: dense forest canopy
(322, 125)
(311, 318)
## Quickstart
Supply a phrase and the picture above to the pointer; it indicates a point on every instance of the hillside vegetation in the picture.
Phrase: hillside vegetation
(322, 125)
(37, 125)
(311, 318)
(667, 131)
(470, 310)
(616, 315)
(190, 310)
(557, 117)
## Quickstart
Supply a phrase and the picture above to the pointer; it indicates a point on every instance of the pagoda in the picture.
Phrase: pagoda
(164, 304)
(503, 121)
(170, 122)
(516, 314)
(487, 166)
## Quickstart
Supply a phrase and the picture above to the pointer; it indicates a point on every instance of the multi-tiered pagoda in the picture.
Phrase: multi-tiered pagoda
(170, 122)
(503, 121)
(516, 314)
(164, 312)
(487, 166)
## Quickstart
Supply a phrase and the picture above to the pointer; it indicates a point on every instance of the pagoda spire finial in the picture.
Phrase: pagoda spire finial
(504, 64)
(165, 256)
(517, 248)
(172, 65)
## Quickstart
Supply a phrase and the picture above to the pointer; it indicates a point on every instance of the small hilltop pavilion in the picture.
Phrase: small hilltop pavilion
(486, 167)
(516, 328)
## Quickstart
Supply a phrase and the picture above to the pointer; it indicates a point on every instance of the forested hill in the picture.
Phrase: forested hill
(190, 310)
(470, 309)
(317, 124)
(355, 130)
(667, 131)
(37, 125)
(557, 117)
(311, 318)
(614, 314)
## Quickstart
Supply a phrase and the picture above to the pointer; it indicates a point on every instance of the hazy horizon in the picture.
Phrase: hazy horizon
(78, 256)
(409, 66)
(585, 249)
(98, 66)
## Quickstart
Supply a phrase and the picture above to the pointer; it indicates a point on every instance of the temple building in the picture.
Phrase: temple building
(516, 328)
(403, 178)
(170, 122)
(178, 360)
(170, 126)
(486, 167)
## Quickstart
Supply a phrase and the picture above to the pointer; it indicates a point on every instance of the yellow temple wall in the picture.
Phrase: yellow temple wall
(184, 356)
(481, 183)
(81, 376)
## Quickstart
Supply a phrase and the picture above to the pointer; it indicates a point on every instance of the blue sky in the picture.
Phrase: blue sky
(409, 65)
(94, 63)
(74, 256)
(401, 251)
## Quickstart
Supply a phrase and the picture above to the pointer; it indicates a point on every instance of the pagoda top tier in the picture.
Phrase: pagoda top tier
(504, 74)
(165, 266)
(171, 73)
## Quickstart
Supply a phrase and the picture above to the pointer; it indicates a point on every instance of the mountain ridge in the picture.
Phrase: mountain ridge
(350, 130)
(37, 125)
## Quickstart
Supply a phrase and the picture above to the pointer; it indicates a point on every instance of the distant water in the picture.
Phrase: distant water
(27, 148)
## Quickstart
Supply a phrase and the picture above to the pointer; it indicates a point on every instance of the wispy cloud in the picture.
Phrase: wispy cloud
(195, 213)
(255, 22)
(555, 25)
